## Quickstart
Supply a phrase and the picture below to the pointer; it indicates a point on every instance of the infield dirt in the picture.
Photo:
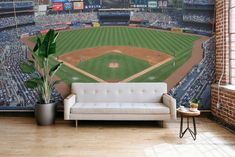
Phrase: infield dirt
(152, 56)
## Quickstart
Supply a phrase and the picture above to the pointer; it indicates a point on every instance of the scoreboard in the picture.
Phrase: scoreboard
(138, 3)
(73, 5)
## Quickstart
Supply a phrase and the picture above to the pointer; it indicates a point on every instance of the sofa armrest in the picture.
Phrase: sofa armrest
(171, 103)
(68, 103)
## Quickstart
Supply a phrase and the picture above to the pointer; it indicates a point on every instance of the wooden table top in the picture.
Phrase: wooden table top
(188, 113)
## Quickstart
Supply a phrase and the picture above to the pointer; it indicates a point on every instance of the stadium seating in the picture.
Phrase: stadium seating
(63, 18)
(196, 82)
(13, 92)
(19, 20)
(199, 17)
(151, 17)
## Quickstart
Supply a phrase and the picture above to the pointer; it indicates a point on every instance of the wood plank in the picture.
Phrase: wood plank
(21, 137)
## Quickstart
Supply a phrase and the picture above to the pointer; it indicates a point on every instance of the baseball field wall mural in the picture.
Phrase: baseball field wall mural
(170, 41)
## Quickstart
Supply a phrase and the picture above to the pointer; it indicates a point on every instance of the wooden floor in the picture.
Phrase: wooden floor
(20, 137)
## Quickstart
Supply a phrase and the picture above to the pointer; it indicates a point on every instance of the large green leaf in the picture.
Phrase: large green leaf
(27, 67)
(37, 45)
(34, 82)
(31, 84)
(55, 69)
(48, 46)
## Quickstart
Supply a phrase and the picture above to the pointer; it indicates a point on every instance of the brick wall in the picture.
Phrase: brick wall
(222, 23)
(226, 112)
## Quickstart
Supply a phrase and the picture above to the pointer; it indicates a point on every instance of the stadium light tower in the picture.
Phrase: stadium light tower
(14, 6)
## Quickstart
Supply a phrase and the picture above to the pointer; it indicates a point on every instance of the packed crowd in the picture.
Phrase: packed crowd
(198, 29)
(159, 20)
(19, 20)
(198, 21)
(200, 2)
(199, 17)
(13, 92)
(64, 18)
(54, 26)
(164, 25)
(196, 83)
(151, 17)
(175, 14)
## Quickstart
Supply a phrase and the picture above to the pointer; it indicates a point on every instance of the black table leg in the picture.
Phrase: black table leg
(181, 126)
(193, 133)
(194, 126)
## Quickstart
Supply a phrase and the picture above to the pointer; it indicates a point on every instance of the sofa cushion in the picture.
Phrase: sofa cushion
(119, 108)
(119, 92)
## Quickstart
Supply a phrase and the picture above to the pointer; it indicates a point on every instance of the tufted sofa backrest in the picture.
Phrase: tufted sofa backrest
(119, 92)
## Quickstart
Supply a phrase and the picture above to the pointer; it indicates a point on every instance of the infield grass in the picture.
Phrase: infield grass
(127, 66)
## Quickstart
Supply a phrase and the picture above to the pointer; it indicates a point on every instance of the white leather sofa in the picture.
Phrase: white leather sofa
(119, 101)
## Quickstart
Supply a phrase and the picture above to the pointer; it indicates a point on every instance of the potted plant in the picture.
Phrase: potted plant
(43, 81)
(194, 104)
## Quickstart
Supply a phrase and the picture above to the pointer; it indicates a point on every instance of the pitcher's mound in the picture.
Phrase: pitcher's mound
(113, 65)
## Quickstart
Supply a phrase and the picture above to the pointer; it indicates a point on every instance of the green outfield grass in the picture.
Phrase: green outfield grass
(177, 45)
(128, 66)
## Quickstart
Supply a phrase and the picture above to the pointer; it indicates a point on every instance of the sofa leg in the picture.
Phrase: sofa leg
(161, 124)
(76, 123)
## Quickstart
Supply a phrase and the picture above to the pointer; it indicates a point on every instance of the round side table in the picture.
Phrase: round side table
(187, 114)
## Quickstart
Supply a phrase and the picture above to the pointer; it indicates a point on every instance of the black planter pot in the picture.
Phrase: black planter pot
(45, 114)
